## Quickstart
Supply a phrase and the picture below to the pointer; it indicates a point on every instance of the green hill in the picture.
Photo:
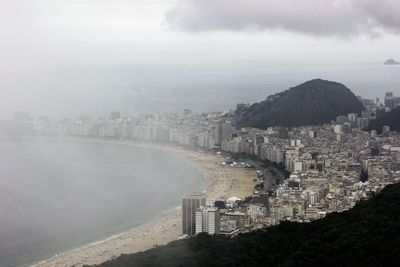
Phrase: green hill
(367, 235)
(311, 103)
(391, 119)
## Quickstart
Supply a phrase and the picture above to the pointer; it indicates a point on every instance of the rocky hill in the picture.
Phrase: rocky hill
(391, 61)
(311, 103)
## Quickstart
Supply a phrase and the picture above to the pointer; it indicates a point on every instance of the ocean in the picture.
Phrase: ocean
(59, 195)
(206, 86)
(132, 87)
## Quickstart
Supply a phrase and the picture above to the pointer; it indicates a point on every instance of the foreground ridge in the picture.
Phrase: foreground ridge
(368, 234)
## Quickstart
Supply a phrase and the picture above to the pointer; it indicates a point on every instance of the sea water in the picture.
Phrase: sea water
(59, 195)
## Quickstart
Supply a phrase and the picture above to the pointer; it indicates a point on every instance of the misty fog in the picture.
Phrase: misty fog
(66, 58)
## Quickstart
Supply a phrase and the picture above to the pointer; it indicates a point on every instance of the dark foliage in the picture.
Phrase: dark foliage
(391, 119)
(265, 163)
(278, 166)
(367, 235)
(363, 176)
(311, 103)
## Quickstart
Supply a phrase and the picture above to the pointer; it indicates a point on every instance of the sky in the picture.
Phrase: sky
(57, 55)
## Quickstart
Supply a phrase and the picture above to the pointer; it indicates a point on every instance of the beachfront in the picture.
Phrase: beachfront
(222, 182)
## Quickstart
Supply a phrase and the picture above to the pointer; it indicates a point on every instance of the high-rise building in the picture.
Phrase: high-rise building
(208, 220)
(115, 115)
(365, 114)
(191, 202)
(223, 130)
(258, 141)
(311, 198)
(338, 128)
(347, 127)
(365, 123)
(352, 117)
(386, 131)
(388, 94)
(392, 103)
(276, 215)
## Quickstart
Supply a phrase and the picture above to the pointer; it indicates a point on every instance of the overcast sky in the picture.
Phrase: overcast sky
(50, 48)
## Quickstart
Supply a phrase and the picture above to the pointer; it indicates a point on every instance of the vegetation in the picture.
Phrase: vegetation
(278, 166)
(367, 235)
(363, 176)
(391, 119)
(265, 163)
(312, 103)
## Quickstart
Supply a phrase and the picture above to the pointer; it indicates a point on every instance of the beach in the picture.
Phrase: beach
(222, 182)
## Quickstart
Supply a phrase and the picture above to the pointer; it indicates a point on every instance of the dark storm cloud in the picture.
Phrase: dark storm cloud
(315, 17)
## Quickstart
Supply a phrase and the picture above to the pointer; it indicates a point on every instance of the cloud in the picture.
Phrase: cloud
(313, 17)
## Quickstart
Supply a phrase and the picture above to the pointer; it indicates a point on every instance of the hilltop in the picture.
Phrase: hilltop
(391, 61)
(367, 235)
(311, 103)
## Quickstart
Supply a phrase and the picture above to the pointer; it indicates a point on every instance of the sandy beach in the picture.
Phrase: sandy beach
(222, 182)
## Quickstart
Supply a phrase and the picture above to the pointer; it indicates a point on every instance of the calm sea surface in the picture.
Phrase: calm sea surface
(57, 195)
(201, 86)
(218, 86)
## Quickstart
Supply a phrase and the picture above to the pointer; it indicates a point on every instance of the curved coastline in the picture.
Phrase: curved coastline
(222, 182)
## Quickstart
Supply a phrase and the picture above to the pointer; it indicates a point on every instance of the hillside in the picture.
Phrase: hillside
(311, 103)
(367, 235)
(391, 119)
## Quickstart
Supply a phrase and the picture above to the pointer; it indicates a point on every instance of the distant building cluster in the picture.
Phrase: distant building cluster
(331, 166)
(330, 170)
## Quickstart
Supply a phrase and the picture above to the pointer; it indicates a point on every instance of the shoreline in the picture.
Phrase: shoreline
(221, 182)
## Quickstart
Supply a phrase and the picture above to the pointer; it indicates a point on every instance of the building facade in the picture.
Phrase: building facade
(208, 220)
(191, 202)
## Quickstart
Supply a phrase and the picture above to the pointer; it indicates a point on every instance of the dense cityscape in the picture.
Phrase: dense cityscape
(303, 173)
(199, 133)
